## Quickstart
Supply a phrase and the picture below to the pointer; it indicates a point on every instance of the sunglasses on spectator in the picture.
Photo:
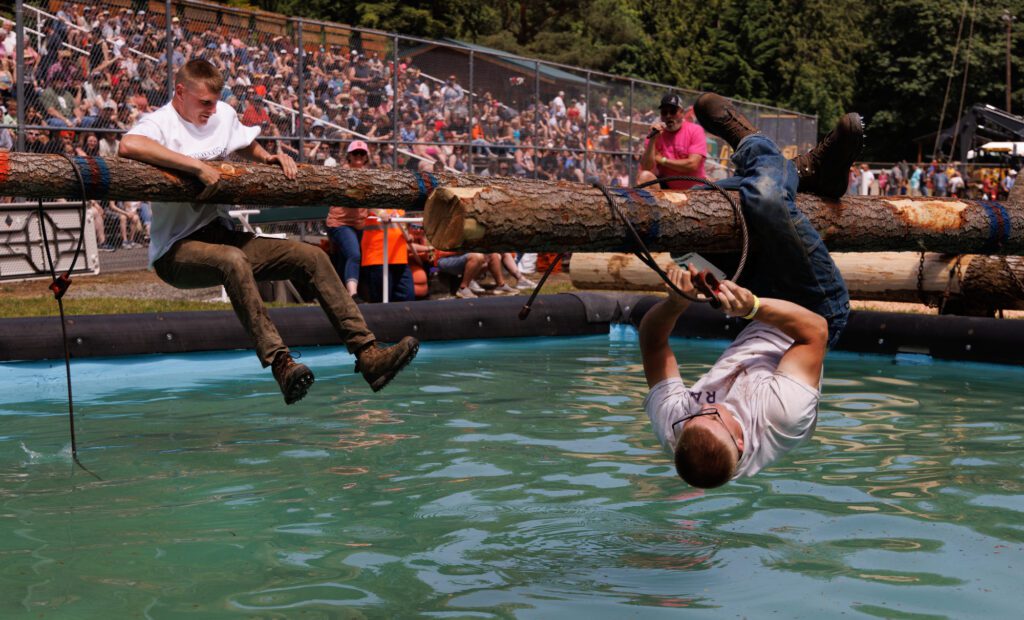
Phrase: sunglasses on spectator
(706, 411)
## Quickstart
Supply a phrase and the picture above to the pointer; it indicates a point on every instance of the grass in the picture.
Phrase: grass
(115, 293)
(47, 306)
(135, 292)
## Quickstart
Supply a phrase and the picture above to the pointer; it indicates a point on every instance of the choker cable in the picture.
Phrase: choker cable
(641, 251)
(59, 285)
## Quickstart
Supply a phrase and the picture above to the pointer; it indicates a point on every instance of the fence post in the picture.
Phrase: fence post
(586, 128)
(300, 63)
(630, 170)
(169, 50)
(19, 37)
(396, 97)
(469, 106)
(536, 111)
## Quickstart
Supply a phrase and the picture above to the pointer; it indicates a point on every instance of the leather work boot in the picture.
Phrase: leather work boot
(718, 116)
(825, 169)
(379, 364)
(293, 378)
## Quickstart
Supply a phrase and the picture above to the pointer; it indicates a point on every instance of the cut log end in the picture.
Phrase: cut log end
(444, 219)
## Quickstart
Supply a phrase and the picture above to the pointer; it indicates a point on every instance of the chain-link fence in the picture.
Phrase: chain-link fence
(75, 75)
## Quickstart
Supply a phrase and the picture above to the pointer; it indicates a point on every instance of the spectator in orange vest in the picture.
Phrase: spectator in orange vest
(400, 284)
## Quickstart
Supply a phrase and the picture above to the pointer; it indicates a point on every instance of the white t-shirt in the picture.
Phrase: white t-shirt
(866, 179)
(220, 136)
(776, 411)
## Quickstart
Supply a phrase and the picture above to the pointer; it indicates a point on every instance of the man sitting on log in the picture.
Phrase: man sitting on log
(760, 398)
(194, 246)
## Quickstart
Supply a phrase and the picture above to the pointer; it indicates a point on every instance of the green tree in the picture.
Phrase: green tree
(903, 73)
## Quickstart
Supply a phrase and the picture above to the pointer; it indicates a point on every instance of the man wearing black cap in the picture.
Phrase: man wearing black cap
(674, 147)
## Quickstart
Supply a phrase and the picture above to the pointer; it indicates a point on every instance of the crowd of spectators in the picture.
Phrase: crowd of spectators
(950, 179)
(92, 71)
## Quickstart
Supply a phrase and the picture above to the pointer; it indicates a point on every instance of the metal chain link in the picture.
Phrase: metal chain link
(920, 282)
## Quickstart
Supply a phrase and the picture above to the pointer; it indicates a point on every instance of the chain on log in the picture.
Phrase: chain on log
(468, 212)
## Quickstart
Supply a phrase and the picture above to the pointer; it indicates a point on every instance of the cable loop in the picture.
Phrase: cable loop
(644, 255)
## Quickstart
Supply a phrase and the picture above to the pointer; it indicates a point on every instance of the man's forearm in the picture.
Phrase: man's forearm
(150, 151)
(688, 165)
(254, 152)
(648, 161)
(795, 321)
(657, 324)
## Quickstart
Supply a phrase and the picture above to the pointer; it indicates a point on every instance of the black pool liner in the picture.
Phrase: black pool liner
(567, 314)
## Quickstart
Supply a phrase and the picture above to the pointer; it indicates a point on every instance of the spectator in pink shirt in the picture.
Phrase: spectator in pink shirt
(674, 147)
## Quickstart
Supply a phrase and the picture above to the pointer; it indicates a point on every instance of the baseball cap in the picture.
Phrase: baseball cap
(357, 145)
(671, 101)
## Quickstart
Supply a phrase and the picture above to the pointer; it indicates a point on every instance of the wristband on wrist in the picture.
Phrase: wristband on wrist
(753, 311)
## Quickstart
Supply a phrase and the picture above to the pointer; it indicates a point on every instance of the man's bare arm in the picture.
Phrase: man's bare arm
(687, 165)
(659, 360)
(147, 150)
(804, 358)
(255, 152)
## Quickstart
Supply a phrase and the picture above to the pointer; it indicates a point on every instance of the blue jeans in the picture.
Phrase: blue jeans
(347, 253)
(787, 258)
(400, 284)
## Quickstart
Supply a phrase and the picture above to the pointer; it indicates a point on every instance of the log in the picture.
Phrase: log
(880, 276)
(242, 183)
(547, 218)
(477, 213)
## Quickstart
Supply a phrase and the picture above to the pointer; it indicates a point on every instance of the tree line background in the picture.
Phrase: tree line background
(890, 60)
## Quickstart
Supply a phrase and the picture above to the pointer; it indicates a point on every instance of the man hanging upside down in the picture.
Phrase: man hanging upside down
(760, 399)
(193, 245)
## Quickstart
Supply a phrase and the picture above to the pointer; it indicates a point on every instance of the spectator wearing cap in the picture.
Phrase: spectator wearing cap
(345, 225)
(452, 93)
(1007, 183)
(674, 146)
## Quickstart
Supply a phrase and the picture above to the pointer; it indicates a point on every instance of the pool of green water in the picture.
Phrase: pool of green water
(499, 479)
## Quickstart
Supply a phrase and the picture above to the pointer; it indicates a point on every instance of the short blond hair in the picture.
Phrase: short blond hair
(199, 71)
(704, 458)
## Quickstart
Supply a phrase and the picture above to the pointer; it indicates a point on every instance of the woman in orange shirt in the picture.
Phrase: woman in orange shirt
(345, 226)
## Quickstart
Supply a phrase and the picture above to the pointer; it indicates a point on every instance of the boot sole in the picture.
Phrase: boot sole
(855, 133)
(385, 379)
(298, 387)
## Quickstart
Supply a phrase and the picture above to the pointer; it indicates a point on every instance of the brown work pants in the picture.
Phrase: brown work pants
(215, 255)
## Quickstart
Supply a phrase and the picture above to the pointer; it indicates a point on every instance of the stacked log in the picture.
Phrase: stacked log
(981, 281)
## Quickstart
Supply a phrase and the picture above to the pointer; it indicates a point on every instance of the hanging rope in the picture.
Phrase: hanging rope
(59, 285)
(949, 82)
(963, 86)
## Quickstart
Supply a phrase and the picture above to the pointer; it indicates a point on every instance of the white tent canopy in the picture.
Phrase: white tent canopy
(1010, 148)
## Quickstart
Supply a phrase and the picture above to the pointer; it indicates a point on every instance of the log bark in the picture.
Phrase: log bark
(540, 218)
(477, 213)
(881, 276)
(242, 183)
